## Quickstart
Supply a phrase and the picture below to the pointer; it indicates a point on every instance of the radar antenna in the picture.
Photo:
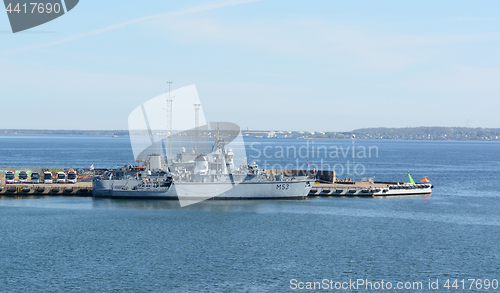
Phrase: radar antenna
(169, 120)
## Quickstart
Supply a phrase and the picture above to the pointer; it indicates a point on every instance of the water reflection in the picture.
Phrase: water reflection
(207, 205)
(419, 209)
(69, 202)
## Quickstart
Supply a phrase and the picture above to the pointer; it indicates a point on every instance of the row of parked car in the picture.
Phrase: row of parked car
(48, 177)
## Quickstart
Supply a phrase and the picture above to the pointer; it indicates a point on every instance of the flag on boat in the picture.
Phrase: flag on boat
(92, 167)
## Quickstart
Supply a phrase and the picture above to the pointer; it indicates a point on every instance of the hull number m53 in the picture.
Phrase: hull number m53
(283, 186)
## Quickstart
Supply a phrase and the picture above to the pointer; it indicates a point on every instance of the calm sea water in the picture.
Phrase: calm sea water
(75, 244)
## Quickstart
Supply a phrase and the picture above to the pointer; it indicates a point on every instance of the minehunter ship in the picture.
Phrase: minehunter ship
(193, 177)
(208, 171)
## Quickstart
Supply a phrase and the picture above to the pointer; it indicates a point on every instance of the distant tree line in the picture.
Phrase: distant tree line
(429, 133)
(63, 132)
(407, 133)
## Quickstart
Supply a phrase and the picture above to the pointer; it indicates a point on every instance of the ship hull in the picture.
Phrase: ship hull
(202, 191)
(243, 190)
(124, 189)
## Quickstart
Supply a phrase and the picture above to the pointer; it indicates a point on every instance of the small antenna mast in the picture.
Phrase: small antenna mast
(169, 119)
(196, 126)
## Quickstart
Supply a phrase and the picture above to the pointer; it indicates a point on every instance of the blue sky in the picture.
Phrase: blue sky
(271, 65)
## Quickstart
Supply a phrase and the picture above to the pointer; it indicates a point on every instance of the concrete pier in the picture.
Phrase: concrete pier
(354, 189)
(67, 189)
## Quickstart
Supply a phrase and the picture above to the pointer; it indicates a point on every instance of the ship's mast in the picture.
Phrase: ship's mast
(196, 126)
(169, 120)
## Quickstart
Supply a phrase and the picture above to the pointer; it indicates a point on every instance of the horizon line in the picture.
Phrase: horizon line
(252, 130)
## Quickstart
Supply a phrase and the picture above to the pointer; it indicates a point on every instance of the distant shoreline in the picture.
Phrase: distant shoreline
(408, 133)
(63, 132)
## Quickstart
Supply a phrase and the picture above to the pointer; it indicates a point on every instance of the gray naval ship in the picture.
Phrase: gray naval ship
(215, 166)
(194, 177)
